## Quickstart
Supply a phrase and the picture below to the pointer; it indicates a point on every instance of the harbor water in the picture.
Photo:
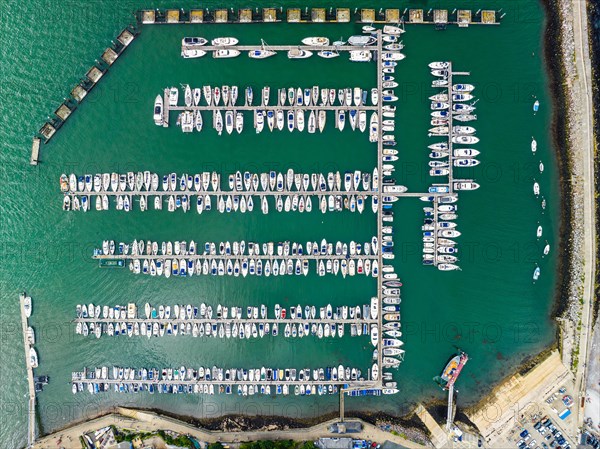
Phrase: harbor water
(491, 309)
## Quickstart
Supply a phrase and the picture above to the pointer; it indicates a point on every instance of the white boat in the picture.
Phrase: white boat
(533, 145)
(539, 231)
(27, 306)
(188, 95)
(392, 56)
(341, 119)
(392, 30)
(536, 273)
(374, 127)
(439, 65)
(465, 139)
(193, 41)
(297, 53)
(198, 120)
(239, 122)
(197, 94)
(465, 162)
(465, 152)
(466, 186)
(463, 88)
(192, 53)
(33, 358)
(536, 188)
(158, 110)
(360, 55)
(261, 53)
(224, 41)
(226, 53)
(229, 121)
(315, 41)
(361, 41)
(173, 96)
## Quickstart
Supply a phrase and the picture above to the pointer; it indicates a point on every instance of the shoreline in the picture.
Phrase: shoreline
(568, 267)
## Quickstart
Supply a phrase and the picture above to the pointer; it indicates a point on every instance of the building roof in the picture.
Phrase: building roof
(334, 443)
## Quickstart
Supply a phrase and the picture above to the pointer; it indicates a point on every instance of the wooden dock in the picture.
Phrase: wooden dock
(31, 427)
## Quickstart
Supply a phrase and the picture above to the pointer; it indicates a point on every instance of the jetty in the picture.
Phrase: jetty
(31, 403)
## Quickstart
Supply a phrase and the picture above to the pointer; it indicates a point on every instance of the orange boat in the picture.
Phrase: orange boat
(452, 370)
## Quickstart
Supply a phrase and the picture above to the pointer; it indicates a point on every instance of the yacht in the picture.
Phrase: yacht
(360, 55)
(192, 53)
(261, 53)
(224, 41)
(297, 53)
(226, 53)
(315, 41)
(158, 110)
(173, 96)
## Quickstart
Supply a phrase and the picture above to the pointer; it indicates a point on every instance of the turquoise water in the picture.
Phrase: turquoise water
(491, 308)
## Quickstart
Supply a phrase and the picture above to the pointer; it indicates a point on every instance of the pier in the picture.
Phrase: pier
(234, 256)
(31, 427)
(380, 196)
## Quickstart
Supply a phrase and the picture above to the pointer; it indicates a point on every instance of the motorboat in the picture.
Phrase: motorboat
(465, 139)
(192, 53)
(173, 96)
(193, 41)
(360, 55)
(297, 53)
(533, 145)
(465, 152)
(536, 273)
(392, 56)
(361, 41)
(315, 41)
(469, 185)
(392, 30)
(158, 110)
(224, 41)
(465, 162)
(439, 65)
(226, 53)
(33, 358)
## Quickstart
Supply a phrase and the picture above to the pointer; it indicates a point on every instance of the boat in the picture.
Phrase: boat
(392, 30)
(188, 95)
(536, 188)
(361, 41)
(360, 55)
(229, 121)
(536, 273)
(536, 106)
(192, 53)
(328, 54)
(465, 152)
(546, 249)
(315, 41)
(465, 139)
(33, 358)
(173, 96)
(463, 88)
(466, 186)
(533, 145)
(297, 53)
(261, 53)
(465, 162)
(158, 110)
(226, 53)
(452, 370)
(224, 41)
(27, 305)
(392, 56)
(198, 120)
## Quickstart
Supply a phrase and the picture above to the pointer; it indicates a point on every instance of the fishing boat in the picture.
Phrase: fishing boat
(158, 110)
(452, 370)
(226, 53)
(224, 41)
(297, 53)
(315, 41)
